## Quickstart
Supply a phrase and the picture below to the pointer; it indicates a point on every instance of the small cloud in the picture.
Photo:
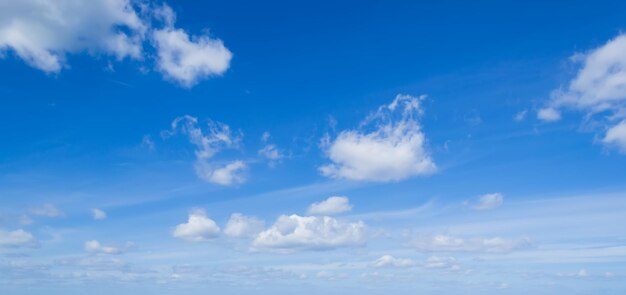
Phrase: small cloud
(390, 261)
(446, 243)
(148, 143)
(520, 116)
(331, 206)
(487, 202)
(94, 246)
(47, 210)
(98, 214)
(549, 114)
(198, 228)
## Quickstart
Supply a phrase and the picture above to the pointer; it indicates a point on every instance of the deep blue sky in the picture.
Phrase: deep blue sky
(72, 140)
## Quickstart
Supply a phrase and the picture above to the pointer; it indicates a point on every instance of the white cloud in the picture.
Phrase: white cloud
(47, 210)
(392, 149)
(488, 202)
(549, 114)
(43, 33)
(17, 238)
(295, 232)
(198, 228)
(188, 59)
(217, 137)
(331, 206)
(98, 214)
(445, 243)
(271, 152)
(445, 262)
(520, 116)
(241, 226)
(390, 261)
(94, 246)
(598, 90)
(616, 136)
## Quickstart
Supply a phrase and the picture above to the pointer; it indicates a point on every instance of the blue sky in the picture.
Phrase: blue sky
(345, 148)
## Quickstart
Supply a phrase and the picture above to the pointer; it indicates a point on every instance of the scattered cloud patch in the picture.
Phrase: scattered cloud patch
(241, 226)
(487, 202)
(390, 261)
(394, 134)
(442, 262)
(520, 116)
(293, 232)
(446, 243)
(47, 210)
(94, 246)
(598, 90)
(98, 214)
(17, 239)
(208, 142)
(331, 206)
(198, 228)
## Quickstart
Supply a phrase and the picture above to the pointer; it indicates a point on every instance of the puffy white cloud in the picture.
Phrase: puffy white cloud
(47, 210)
(43, 33)
(98, 214)
(488, 201)
(241, 226)
(295, 232)
(198, 228)
(216, 137)
(94, 246)
(188, 59)
(331, 206)
(446, 243)
(598, 90)
(390, 261)
(17, 238)
(271, 152)
(388, 146)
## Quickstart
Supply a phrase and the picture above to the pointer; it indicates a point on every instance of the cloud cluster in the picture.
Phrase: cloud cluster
(331, 206)
(598, 90)
(388, 146)
(214, 138)
(294, 232)
(47, 210)
(242, 226)
(390, 261)
(44, 33)
(198, 228)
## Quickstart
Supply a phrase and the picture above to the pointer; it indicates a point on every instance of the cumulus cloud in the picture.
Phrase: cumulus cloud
(294, 232)
(388, 146)
(188, 59)
(94, 246)
(98, 214)
(390, 261)
(446, 243)
(598, 90)
(488, 202)
(210, 141)
(17, 238)
(241, 226)
(44, 33)
(331, 206)
(47, 210)
(198, 228)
